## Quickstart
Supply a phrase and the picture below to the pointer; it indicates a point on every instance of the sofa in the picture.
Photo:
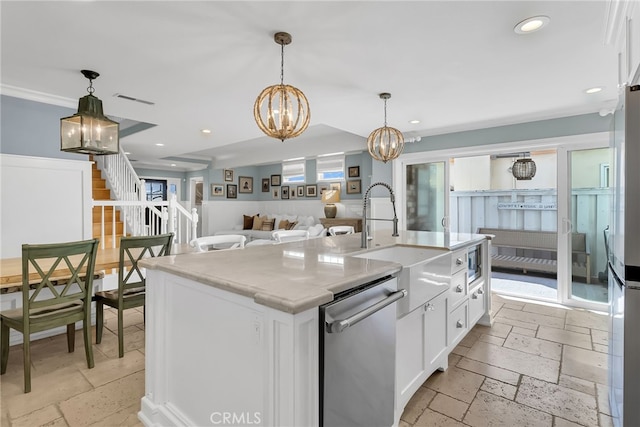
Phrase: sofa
(261, 226)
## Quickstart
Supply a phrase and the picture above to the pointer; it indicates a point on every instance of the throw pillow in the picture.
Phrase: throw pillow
(257, 222)
(292, 225)
(283, 225)
(267, 224)
(247, 222)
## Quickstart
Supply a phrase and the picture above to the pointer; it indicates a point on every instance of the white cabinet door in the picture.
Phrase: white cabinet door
(411, 361)
(436, 331)
(477, 304)
(458, 324)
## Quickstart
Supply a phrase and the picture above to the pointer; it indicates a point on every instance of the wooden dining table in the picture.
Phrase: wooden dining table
(106, 259)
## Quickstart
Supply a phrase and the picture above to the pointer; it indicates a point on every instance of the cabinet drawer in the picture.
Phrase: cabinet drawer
(458, 261)
(477, 304)
(458, 324)
(458, 289)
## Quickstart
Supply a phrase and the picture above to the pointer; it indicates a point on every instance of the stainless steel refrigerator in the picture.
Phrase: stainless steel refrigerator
(624, 263)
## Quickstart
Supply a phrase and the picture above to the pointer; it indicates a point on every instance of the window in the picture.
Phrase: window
(330, 168)
(293, 171)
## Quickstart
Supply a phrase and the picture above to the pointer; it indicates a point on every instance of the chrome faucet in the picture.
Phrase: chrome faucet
(364, 213)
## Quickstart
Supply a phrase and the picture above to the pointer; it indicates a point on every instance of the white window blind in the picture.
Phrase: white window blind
(330, 168)
(293, 171)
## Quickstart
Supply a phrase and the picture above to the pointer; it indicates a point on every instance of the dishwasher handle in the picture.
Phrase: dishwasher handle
(340, 325)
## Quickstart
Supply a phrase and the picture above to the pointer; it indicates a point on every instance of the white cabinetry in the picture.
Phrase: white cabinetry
(624, 32)
(458, 324)
(421, 342)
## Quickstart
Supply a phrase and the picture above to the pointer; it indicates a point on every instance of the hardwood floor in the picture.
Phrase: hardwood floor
(537, 366)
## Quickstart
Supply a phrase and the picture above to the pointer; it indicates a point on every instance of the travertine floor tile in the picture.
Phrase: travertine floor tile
(433, 419)
(517, 323)
(469, 340)
(113, 369)
(126, 417)
(130, 318)
(523, 316)
(603, 399)
(560, 401)
(460, 350)
(93, 406)
(499, 388)
(577, 384)
(601, 348)
(418, 403)
(605, 420)
(46, 390)
(456, 382)
(600, 337)
(40, 417)
(498, 329)
(133, 340)
(586, 364)
(588, 319)
(561, 422)
(509, 377)
(491, 410)
(564, 337)
(535, 346)
(513, 305)
(517, 361)
(403, 423)
(546, 310)
(523, 331)
(491, 339)
(449, 406)
(578, 329)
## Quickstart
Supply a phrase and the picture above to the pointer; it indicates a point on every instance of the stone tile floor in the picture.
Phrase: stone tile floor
(537, 366)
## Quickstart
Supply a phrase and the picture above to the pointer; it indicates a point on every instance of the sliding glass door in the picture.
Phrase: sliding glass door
(425, 190)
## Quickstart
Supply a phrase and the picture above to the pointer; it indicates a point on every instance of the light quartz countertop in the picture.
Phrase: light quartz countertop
(296, 276)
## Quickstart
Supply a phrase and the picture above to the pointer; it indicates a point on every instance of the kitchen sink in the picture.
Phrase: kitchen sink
(425, 274)
(405, 255)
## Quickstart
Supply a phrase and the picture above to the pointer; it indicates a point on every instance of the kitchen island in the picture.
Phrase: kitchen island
(232, 337)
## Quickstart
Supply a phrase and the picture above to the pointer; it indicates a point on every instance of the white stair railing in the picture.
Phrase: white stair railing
(141, 217)
(148, 219)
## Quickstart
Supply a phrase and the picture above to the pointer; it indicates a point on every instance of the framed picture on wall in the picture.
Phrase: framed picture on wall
(354, 171)
(284, 190)
(246, 184)
(275, 180)
(300, 190)
(228, 175)
(232, 191)
(275, 192)
(312, 190)
(322, 188)
(293, 194)
(265, 185)
(353, 186)
(335, 186)
(217, 190)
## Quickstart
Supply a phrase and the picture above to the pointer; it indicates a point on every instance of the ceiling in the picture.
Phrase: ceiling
(453, 65)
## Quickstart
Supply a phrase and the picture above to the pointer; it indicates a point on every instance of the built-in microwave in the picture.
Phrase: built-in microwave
(475, 263)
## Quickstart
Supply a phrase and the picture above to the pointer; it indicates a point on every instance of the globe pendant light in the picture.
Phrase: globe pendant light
(385, 143)
(282, 111)
(89, 131)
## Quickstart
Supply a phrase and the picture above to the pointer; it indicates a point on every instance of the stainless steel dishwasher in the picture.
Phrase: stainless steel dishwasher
(357, 356)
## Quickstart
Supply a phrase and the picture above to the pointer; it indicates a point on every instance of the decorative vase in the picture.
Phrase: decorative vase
(330, 210)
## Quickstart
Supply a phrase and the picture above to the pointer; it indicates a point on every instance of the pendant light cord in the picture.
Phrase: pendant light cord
(385, 113)
(90, 89)
(282, 64)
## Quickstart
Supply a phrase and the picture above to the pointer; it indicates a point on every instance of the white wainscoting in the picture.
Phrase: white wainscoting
(225, 215)
(43, 200)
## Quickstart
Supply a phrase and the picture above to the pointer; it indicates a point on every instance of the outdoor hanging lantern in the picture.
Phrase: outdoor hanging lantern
(89, 131)
(524, 169)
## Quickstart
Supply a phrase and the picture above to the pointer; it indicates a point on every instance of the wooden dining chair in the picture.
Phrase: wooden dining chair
(48, 305)
(131, 280)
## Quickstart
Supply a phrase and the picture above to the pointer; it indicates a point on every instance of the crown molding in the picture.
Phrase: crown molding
(36, 96)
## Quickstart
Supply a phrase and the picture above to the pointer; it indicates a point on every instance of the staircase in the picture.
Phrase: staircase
(101, 192)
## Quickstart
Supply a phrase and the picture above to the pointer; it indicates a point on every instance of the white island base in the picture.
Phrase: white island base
(218, 358)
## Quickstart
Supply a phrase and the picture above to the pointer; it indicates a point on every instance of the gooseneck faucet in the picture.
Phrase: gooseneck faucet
(364, 213)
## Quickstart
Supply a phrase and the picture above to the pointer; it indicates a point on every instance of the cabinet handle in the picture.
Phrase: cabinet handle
(429, 307)
(459, 324)
(474, 296)
(480, 291)
(459, 288)
(458, 261)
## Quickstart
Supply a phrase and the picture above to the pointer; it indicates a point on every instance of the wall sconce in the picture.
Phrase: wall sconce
(89, 131)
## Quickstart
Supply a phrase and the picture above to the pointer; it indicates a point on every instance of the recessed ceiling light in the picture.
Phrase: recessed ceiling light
(207, 131)
(159, 144)
(593, 90)
(532, 24)
(414, 122)
(127, 153)
(173, 165)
